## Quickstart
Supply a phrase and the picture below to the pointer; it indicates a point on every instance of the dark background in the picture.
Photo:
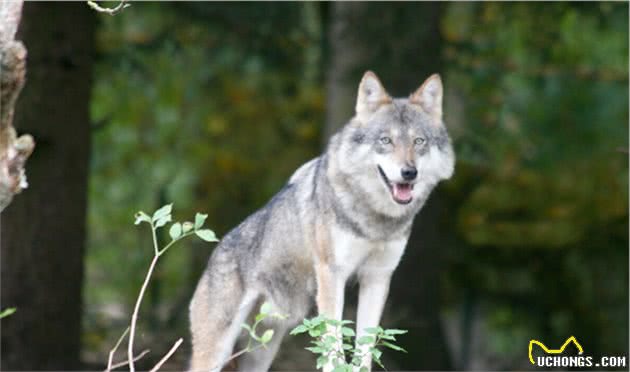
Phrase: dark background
(211, 106)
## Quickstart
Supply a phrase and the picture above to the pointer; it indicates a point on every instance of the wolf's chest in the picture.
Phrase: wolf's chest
(351, 252)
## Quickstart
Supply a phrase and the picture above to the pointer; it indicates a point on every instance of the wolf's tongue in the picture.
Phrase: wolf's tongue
(402, 191)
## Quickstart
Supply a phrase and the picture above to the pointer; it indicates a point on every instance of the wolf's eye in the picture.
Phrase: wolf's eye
(386, 140)
(419, 141)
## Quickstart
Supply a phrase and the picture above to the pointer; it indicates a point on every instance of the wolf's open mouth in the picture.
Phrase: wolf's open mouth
(401, 192)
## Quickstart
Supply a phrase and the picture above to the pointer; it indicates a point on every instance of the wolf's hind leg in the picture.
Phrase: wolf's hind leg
(261, 358)
(216, 314)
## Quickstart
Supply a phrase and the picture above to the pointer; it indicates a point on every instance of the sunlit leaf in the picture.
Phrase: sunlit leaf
(7, 312)
(142, 217)
(175, 231)
(199, 220)
(162, 212)
(207, 235)
(266, 337)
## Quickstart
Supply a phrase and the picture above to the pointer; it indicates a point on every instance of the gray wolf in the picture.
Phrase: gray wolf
(347, 212)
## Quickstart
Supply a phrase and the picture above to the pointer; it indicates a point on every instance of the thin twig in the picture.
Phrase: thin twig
(134, 316)
(236, 355)
(111, 11)
(161, 252)
(168, 355)
(113, 350)
(125, 362)
(155, 243)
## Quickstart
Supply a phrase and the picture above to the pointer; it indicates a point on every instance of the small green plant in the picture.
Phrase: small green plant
(177, 232)
(265, 312)
(332, 340)
(262, 340)
(6, 312)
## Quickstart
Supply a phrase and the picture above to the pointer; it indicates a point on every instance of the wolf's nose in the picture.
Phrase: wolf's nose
(409, 173)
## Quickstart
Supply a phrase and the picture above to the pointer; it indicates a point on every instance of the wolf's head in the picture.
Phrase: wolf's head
(397, 148)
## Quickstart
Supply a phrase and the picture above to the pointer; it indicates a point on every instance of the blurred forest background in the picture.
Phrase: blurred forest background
(212, 106)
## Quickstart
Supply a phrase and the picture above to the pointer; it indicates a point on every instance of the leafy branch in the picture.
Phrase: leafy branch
(177, 232)
(329, 334)
(263, 340)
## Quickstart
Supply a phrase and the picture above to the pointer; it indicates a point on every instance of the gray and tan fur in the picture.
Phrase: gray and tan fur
(347, 212)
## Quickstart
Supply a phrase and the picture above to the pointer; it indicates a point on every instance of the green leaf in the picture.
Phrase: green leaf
(347, 347)
(356, 361)
(392, 346)
(199, 220)
(347, 331)
(7, 312)
(142, 217)
(363, 369)
(333, 322)
(162, 221)
(378, 361)
(260, 317)
(365, 340)
(340, 368)
(162, 212)
(395, 331)
(321, 361)
(299, 329)
(187, 226)
(376, 353)
(266, 337)
(315, 349)
(330, 339)
(316, 321)
(175, 231)
(207, 235)
(314, 332)
(265, 308)
(374, 330)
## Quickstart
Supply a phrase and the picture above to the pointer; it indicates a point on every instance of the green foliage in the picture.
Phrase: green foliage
(156, 221)
(262, 340)
(541, 186)
(163, 215)
(332, 340)
(8, 311)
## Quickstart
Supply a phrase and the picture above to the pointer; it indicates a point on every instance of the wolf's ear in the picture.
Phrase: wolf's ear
(429, 96)
(371, 94)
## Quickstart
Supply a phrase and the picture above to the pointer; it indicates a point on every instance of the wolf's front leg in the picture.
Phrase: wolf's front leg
(374, 286)
(330, 297)
(374, 278)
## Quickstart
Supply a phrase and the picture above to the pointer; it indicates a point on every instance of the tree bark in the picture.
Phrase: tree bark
(43, 231)
(403, 48)
(14, 150)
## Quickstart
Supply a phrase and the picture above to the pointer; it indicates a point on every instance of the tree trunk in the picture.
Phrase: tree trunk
(43, 231)
(14, 150)
(403, 49)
